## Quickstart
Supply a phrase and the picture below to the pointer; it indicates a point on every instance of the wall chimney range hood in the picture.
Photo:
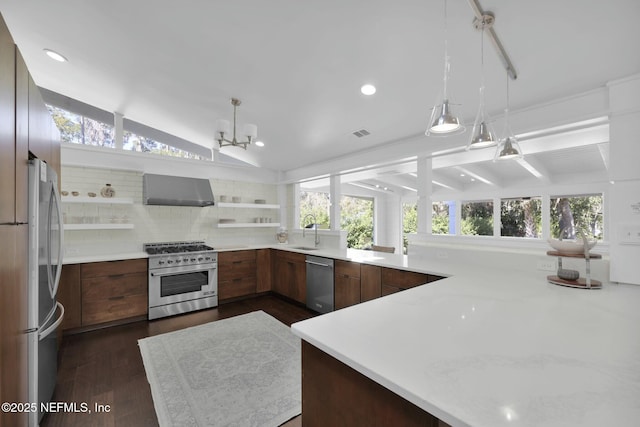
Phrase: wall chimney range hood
(169, 190)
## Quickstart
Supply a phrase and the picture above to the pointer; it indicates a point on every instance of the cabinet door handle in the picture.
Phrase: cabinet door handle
(116, 298)
(237, 280)
(346, 276)
(115, 276)
(237, 262)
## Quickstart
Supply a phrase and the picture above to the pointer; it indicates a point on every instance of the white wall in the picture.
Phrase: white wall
(624, 214)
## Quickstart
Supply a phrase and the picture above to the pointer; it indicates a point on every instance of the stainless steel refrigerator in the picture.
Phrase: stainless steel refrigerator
(45, 265)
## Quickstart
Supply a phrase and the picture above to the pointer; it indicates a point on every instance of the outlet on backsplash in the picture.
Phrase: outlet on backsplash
(547, 265)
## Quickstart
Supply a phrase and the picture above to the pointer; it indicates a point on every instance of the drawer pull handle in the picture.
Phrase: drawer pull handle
(237, 262)
(237, 280)
(116, 298)
(115, 276)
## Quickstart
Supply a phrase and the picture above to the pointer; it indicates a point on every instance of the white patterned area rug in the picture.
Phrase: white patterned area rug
(241, 371)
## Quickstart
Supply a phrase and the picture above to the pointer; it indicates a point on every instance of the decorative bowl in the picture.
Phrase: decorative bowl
(571, 246)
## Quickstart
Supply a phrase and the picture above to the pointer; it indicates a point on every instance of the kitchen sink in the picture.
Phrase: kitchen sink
(305, 248)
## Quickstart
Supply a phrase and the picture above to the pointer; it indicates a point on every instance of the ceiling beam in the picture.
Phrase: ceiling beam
(535, 168)
(604, 154)
(480, 173)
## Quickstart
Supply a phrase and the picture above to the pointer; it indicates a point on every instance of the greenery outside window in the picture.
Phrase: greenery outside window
(77, 129)
(356, 217)
(133, 142)
(477, 218)
(521, 217)
(570, 214)
(409, 222)
(441, 218)
(316, 204)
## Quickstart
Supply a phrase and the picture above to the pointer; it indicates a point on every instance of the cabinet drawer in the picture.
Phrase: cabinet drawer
(114, 308)
(347, 268)
(97, 269)
(105, 287)
(237, 270)
(403, 279)
(236, 288)
(226, 257)
(289, 257)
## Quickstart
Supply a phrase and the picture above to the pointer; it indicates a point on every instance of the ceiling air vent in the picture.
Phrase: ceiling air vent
(362, 132)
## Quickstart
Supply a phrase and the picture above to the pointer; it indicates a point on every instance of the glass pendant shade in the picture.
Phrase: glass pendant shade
(482, 134)
(508, 149)
(443, 121)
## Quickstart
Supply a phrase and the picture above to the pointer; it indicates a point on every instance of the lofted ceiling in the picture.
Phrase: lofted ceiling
(298, 66)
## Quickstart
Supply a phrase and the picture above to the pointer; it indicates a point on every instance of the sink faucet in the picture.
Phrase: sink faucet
(315, 227)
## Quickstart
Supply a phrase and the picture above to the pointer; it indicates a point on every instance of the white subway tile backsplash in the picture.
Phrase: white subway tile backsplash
(160, 223)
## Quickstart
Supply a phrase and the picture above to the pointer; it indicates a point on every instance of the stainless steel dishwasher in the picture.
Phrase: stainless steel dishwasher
(319, 284)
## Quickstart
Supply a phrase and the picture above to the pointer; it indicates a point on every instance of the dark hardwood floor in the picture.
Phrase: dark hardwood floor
(105, 367)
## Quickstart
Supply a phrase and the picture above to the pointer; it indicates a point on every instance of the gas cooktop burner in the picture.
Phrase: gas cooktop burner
(175, 248)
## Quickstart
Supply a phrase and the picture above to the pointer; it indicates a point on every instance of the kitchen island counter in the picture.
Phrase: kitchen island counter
(495, 348)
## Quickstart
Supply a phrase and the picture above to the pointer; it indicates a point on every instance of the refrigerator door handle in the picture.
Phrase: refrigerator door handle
(55, 281)
(43, 334)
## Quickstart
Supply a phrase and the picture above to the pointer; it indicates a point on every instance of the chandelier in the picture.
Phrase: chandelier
(222, 128)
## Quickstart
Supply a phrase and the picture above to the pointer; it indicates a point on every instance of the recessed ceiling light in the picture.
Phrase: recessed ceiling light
(259, 144)
(462, 174)
(55, 55)
(368, 89)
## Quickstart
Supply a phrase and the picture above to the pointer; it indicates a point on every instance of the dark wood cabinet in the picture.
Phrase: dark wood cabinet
(237, 274)
(44, 138)
(22, 139)
(13, 321)
(113, 291)
(70, 295)
(7, 128)
(290, 275)
(393, 280)
(370, 282)
(346, 284)
(335, 394)
(263, 270)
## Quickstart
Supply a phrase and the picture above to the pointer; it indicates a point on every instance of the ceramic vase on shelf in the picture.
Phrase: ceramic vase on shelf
(282, 235)
(107, 191)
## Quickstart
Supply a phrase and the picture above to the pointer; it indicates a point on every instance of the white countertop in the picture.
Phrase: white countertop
(490, 348)
(485, 348)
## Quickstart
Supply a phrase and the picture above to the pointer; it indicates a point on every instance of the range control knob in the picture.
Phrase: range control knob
(160, 262)
(178, 261)
(185, 259)
(193, 260)
(170, 262)
(207, 258)
(200, 258)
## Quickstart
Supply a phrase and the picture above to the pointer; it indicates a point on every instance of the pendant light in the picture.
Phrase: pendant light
(443, 122)
(508, 147)
(482, 134)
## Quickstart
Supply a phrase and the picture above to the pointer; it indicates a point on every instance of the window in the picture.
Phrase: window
(570, 214)
(316, 204)
(443, 218)
(77, 129)
(133, 142)
(409, 222)
(356, 217)
(521, 217)
(477, 218)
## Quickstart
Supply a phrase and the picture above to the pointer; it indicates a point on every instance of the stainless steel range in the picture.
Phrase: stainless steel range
(183, 277)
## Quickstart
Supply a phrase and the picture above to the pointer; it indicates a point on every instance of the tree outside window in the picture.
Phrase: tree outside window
(477, 218)
(77, 129)
(570, 214)
(356, 217)
(521, 217)
(316, 204)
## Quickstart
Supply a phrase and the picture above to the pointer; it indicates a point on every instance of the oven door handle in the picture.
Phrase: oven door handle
(173, 272)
